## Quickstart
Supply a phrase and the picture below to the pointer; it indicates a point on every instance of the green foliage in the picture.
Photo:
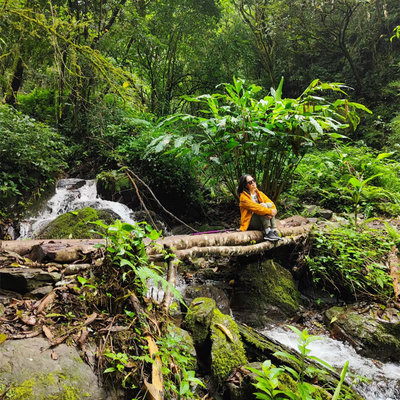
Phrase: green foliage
(31, 156)
(126, 250)
(176, 181)
(39, 104)
(176, 366)
(265, 138)
(351, 262)
(348, 179)
(269, 384)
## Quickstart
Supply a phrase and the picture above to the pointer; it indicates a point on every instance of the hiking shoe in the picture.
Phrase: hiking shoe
(275, 234)
(271, 237)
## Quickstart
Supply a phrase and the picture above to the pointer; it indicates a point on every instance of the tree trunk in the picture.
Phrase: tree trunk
(16, 82)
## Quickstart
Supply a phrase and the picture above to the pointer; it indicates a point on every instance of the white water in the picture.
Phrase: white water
(385, 377)
(71, 195)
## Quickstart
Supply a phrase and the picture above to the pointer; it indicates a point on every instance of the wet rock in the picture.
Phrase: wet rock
(41, 292)
(316, 211)
(263, 290)
(370, 334)
(213, 292)
(37, 372)
(23, 280)
(188, 341)
(7, 295)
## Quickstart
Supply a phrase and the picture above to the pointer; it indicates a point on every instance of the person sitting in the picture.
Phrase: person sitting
(257, 211)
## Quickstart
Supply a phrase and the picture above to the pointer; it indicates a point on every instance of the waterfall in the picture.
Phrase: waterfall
(383, 378)
(71, 195)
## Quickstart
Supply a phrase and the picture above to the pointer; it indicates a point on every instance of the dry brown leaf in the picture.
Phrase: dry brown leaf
(91, 318)
(47, 333)
(47, 301)
(28, 320)
(83, 338)
(156, 375)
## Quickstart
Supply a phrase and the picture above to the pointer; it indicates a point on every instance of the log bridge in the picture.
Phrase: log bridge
(184, 247)
(171, 248)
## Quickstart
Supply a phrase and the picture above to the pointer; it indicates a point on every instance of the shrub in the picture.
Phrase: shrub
(323, 178)
(351, 262)
(31, 156)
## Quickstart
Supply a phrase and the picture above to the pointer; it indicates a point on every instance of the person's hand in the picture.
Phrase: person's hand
(273, 212)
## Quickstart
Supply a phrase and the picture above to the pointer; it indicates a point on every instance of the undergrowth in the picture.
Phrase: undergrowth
(351, 262)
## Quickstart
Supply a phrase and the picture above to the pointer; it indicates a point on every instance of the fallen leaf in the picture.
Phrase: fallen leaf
(28, 320)
(47, 300)
(47, 333)
(225, 330)
(3, 337)
(90, 319)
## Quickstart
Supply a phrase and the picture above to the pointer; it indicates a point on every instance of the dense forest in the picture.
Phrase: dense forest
(89, 82)
(166, 104)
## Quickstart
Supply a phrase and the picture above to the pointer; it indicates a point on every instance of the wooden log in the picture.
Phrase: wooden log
(228, 251)
(184, 246)
(23, 247)
(180, 242)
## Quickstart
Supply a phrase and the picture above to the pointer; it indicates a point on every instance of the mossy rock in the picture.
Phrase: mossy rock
(264, 290)
(198, 319)
(227, 350)
(28, 368)
(76, 224)
(374, 338)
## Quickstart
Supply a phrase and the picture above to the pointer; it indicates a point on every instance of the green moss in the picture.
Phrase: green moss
(75, 224)
(279, 283)
(265, 290)
(198, 318)
(32, 389)
(379, 339)
(227, 350)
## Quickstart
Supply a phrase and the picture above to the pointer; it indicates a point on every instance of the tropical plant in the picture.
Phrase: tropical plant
(267, 380)
(264, 137)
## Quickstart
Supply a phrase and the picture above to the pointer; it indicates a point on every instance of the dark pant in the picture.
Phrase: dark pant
(261, 222)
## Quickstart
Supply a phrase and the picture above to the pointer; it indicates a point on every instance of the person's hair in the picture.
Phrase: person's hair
(242, 184)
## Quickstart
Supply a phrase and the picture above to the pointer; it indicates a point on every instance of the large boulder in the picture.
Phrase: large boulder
(264, 290)
(373, 331)
(227, 350)
(34, 371)
(216, 337)
(76, 224)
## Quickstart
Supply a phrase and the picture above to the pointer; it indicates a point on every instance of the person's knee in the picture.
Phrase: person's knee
(267, 205)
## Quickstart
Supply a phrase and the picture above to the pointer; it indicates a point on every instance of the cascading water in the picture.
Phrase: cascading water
(384, 378)
(72, 194)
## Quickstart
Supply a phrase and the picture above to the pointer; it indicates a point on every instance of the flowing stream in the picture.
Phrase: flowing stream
(71, 195)
(384, 378)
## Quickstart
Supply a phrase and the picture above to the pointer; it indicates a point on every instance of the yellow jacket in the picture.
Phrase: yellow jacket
(248, 207)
